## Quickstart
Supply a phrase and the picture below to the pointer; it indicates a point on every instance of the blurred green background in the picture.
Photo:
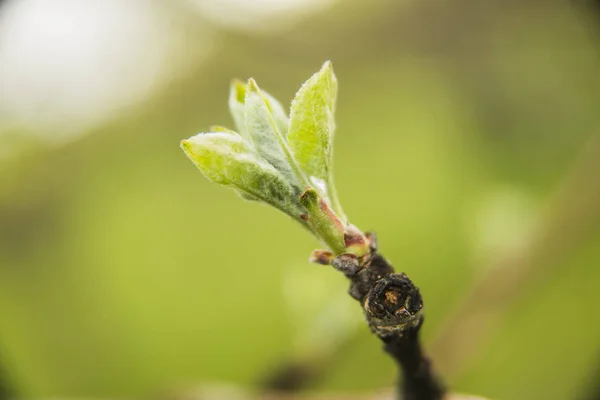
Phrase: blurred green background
(464, 136)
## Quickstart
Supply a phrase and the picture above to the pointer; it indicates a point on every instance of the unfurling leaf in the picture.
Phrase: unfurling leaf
(267, 139)
(228, 159)
(310, 136)
(278, 113)
(280, 160)
(237, 97)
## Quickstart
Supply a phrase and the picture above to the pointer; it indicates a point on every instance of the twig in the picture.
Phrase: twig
(417, 376)
(393, 308)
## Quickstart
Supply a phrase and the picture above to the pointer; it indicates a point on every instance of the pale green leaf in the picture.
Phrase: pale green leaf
(228, 159)
(265, 136)
(237, 97)
(278, 113)
(312, 126)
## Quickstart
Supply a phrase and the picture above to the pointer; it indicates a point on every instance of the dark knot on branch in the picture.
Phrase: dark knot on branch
(393, 308)
(391, 302)
(393, 305)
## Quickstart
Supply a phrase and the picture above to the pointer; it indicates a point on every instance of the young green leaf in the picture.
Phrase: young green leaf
(285, 162)
(228, 159)
(311, 131)
(278, 113)
(237, 97)
(268, 142)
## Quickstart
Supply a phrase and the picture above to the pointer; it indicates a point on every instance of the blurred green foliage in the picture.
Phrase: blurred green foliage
(124, 272)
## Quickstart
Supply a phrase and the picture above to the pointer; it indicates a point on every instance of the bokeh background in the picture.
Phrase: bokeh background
(468, 138)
